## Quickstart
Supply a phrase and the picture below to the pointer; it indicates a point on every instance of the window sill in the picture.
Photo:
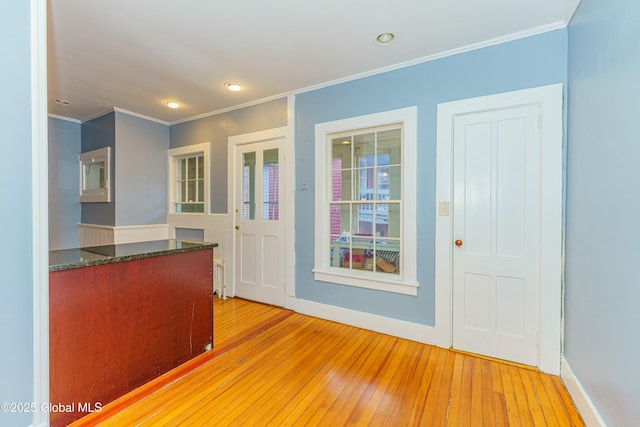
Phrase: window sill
(366, 280)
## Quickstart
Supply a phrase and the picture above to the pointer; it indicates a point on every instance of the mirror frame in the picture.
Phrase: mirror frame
(103, 193)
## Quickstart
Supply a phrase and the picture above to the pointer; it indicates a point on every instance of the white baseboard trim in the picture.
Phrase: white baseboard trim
(581, 399)
(385, 325)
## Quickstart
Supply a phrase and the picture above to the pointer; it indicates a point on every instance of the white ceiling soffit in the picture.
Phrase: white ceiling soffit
(138, 55)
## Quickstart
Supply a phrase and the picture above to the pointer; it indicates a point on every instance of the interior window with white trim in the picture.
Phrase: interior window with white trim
(365, 203)
(189, 174)
(189, 195)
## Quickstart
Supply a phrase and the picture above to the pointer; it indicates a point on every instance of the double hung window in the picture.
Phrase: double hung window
(189, 179)
(365, 201)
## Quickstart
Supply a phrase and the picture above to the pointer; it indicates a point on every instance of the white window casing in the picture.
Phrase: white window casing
(406, 281)
(176, 154)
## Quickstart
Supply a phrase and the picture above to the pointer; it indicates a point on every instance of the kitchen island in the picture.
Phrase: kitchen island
(121, 315)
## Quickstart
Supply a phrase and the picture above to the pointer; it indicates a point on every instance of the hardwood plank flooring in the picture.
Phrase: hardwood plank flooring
(287, 369)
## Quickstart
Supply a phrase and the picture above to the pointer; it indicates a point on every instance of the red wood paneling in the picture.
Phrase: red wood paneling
(114, 327)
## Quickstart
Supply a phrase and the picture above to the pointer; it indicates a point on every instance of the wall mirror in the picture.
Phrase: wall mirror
(95, 168)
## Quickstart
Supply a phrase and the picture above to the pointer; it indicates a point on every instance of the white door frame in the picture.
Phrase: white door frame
(262, 136)
(549, 98)
(40, 214)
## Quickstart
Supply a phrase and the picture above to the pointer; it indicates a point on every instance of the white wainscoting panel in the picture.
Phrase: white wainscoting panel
(99, 235)
(216, 229)
(95, 235)
(141, 233)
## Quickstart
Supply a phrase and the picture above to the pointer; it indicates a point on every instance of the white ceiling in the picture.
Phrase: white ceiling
(137, 55)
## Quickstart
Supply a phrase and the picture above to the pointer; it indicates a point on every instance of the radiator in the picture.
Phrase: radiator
(220, 278)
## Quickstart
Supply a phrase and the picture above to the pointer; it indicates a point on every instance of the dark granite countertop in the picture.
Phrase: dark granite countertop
(66, 259)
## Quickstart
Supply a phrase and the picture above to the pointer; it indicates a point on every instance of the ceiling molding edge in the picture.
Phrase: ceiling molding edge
(572, 11)
(66, 119)
(232, 108)
(140, 116)
(475, 46)
(487, 43)
(96, 115)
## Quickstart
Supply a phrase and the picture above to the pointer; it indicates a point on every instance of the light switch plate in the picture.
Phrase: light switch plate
(443, 208)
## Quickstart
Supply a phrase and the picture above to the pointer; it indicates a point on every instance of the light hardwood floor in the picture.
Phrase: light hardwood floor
(272, 367)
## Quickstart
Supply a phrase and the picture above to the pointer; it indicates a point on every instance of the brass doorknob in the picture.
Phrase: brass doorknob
(237, 227)
(458, 243)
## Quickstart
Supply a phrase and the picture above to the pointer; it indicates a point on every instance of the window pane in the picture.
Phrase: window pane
(189, 207)
(182, 169)
(341, 185)
(365, 184)
(180, 191)
(363, 219)
(388, 220)
(364, 149)
(389, 151)
(191, 168)
(339, 219)
(201, 190)
(362, 254)
(191, 189)
(338, 248)
(200, 167)
(389, 186)
(248, 186)
(387, 256)
(270, 185)
(341, 153)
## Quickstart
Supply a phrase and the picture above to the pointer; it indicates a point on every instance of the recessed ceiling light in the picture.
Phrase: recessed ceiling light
(173, 104)
(62, 102)
(385, 38)
(234, 86)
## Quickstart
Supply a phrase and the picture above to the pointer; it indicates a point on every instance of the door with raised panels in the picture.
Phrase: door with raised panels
(496, 232)
(259, 222)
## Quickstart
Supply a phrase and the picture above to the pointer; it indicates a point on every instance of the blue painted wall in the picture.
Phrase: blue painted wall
(141, 171)
(64, 198)
(217, 129)
(100, 133)
(603, 207)
(530, 62)
(16, 282)
(138, 170)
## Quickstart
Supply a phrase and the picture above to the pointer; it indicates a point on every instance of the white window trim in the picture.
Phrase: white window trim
(190, 150)
(407, 282)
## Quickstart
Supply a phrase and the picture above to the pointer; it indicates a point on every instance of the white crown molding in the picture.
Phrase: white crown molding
(66, 119)
(96, 115)
(140, 116)
(487, 43)
(475, 46)
(233, 108)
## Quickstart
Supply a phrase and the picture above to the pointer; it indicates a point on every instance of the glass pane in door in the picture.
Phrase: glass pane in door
(270, 185)
(248, 186)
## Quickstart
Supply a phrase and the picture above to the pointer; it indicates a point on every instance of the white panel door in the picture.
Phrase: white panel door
(496, 233)
(259, 222)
